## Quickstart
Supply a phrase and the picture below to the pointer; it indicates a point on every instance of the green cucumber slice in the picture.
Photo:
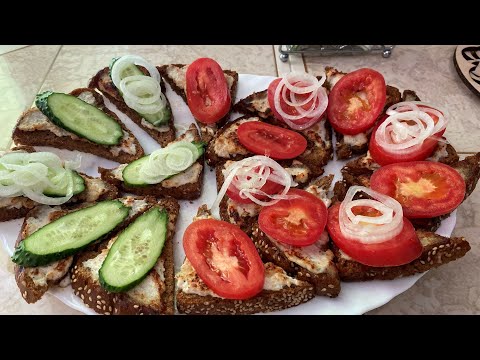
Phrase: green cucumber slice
(131, 173)
(61, 189)
(80, 118)
(160, 118)
(135, 251)
(69, 234)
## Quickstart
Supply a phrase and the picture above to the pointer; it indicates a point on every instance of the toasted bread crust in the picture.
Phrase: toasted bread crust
(207, 131)
(245, 106)
(439, 250)
(7, 214)
(266, 301)
(326, 283)
(48, 138)
(102, 82)
(103, 302)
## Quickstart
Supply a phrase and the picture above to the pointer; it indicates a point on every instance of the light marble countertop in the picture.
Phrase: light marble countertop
(452, 289)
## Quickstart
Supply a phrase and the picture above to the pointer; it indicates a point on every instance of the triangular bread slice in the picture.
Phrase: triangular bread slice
(314, 263)
(186, 185)
(225, 145)
(154, 295)
(162, 134)
(437, 250)
(359, 171)
(95, 189)
(33, 282)
(175, 76)
(245, 215)
(35, 129)
(280, 291)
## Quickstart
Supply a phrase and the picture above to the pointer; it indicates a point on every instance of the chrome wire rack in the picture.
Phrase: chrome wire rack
(329, 50)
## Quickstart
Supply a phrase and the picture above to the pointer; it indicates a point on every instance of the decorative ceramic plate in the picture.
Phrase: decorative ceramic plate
(467, 63)
(354, 298)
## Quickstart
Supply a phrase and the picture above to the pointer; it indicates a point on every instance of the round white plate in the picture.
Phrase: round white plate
(354, 298)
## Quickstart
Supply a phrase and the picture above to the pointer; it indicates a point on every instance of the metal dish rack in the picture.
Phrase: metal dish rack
(329, 50)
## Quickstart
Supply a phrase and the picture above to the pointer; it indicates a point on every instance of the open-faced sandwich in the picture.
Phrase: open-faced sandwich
(208, 91)
(77, 121)
(136, 88)
(29, 178)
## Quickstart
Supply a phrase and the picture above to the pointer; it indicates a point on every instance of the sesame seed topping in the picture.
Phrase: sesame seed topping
(89, 291)
(107, 313)
(99, 297)
(135, 306)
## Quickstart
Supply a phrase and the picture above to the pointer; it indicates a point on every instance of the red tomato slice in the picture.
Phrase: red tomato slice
(225, 258)
(299, 221)
(290, 110)
(270, 188)
(356, 101)
(399, 250)
(383, 157)
(270, 140)
(424, 188)
(207, 91)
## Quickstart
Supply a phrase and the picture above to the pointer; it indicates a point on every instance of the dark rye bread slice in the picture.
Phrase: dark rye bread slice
(186, 185)
(103, 82)
(17, 207)
(315, 263)
(153, 296)
(358, 172)
(202, 301)
(174, 75)
(225, 145)
(35, 129)
(437, 250)
(245, 215)
(33, 282)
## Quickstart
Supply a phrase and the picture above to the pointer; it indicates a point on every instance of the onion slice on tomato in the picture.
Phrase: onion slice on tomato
(370, 229)
(301, 84)
(250, 175)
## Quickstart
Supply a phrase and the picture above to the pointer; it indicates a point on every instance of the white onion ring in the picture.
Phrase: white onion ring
(373, 229)
(244, 177)
(27, 174)
(311, 85)
(133, 87)
(126, 60)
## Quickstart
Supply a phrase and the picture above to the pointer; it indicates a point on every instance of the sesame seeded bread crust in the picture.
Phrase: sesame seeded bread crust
(48, 138)
(187, 191)
(101, 301)
(103, 83)
(207, 131)
(266, 301)
(326, 283)
(437, 250)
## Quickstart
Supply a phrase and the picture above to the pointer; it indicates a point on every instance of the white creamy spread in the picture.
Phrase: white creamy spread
(321, 193)
(227, 143)
(244, 210)
(320, 130)
(260, 102)
(95, 188)
(298, 171)
(178, 76)
(188, 281)
(440, 152)
(15, 202)
(188, 176)
(149, 291)
(355, 140)
(313, 257)
(161, 128)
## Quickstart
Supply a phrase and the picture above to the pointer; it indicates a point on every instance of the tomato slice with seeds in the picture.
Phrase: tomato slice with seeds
(383, 157)
(270, 140)
(290, 110)
(356, 101)
(424, 188)
(270, 188)
(399, 250)
(225, 258)
(298, 221)
(208, 96)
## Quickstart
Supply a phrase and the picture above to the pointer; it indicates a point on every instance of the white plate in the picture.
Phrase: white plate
(355, 298)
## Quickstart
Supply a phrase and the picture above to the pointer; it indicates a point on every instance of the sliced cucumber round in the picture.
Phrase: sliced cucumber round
(80, 118)
(69, 234)
(132, 175)
(61, 188)
(135, 252)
